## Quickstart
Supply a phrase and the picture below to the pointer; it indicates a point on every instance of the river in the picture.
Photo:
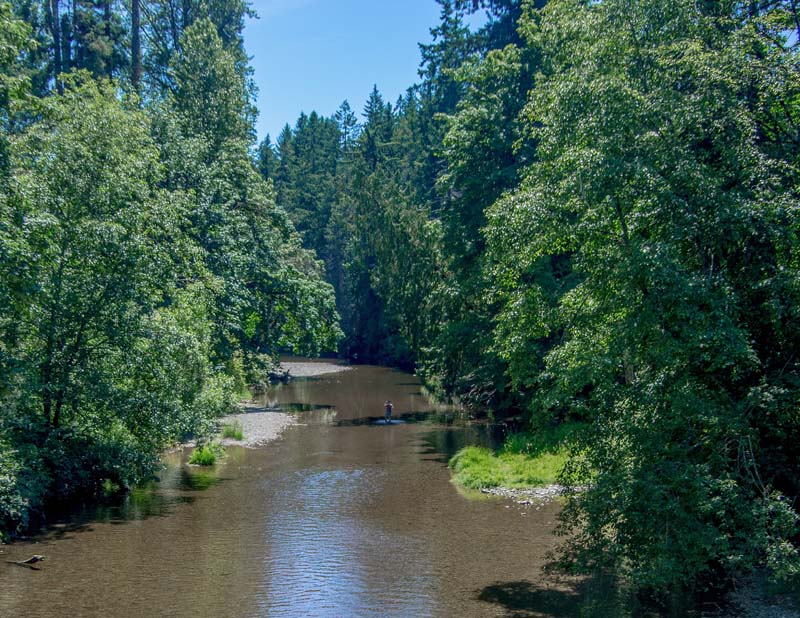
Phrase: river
(339, 518)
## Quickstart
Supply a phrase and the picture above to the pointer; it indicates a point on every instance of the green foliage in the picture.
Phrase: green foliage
(546, 440)
(482, 147)
(15, 38)
(113, 370)
(145, 271)
(233, 431)
(205, 455)
(269, 293)
(642, 268)
(13, 504)
(92, 254)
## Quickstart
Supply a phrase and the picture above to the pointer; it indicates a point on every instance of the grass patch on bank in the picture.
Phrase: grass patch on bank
(206, 455)
(233, 430)
(525, 460)
(475, 467)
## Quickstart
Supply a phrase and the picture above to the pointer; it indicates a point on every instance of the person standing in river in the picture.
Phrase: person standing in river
(388, 416)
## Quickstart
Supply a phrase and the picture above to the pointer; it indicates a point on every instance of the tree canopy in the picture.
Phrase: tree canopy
(147, 274)
(585, 213)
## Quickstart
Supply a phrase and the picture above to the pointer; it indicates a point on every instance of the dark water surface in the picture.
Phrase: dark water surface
(339, 517)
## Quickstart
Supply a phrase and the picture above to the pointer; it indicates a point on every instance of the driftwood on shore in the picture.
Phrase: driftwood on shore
(28, 563)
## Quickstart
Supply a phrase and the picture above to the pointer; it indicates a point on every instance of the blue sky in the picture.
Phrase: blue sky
(313, 54)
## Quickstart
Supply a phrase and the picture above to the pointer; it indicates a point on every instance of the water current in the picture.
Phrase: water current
(339, 517)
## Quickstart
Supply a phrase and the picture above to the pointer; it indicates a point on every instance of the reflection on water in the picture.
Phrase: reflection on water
(198, 479)
(340, 517)
(353, 566)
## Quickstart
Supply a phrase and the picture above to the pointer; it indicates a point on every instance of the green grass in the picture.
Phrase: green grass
(475, 467)
(205, 455)
(233, 431)
(525, 460)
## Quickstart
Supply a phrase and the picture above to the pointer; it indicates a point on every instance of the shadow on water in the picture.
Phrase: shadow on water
(139, 504)
(143, 502)
(421, 417)
(442, 444)
(589, 597)
(303, 407)
(524, 599)
(291, 407)
(198, 479)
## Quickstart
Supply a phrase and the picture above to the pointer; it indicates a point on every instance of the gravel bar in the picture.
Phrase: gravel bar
(532, 495)
(260, 425)
(298, 369)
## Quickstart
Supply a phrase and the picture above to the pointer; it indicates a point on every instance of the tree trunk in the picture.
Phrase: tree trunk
(107, 18)
(173, 26)
(54, 18)
(186, 16)
(136, 46)
(59, 404)
(66, 43)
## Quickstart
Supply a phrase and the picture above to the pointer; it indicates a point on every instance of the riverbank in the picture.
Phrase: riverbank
(262, 425)
(526, 468)
(480, 468)
(527, 495)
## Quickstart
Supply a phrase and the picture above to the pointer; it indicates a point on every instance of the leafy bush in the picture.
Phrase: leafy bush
(205, 455)
(13, 505)
(548, 440)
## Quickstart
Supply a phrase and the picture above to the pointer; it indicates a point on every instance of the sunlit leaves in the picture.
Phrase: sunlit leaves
(656, 184)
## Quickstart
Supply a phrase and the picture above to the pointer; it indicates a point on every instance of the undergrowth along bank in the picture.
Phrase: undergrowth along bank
(532, 459)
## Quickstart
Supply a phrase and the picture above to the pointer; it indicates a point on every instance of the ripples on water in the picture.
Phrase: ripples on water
(328, 560)
(339, 518)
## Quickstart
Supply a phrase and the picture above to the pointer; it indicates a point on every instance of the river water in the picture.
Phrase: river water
(340, 517)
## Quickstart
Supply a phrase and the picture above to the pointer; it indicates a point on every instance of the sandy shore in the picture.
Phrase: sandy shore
(260, 425)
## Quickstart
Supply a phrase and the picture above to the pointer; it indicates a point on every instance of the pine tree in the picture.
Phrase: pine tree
(267, 160)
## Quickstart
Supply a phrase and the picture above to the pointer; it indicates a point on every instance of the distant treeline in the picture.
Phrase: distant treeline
(146, 274)
(588, 211)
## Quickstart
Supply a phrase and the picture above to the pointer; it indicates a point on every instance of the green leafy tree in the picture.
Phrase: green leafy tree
(271, 295)
(311, 167)
(397, 247)
(15, 39)
(164, 23)
(95, 256)
(91, 248)
(348, 126)
(646, 261)
(483, 153)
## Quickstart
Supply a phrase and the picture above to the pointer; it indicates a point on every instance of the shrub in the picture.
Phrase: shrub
(13, 505)
(205, 455)
(548, 440)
